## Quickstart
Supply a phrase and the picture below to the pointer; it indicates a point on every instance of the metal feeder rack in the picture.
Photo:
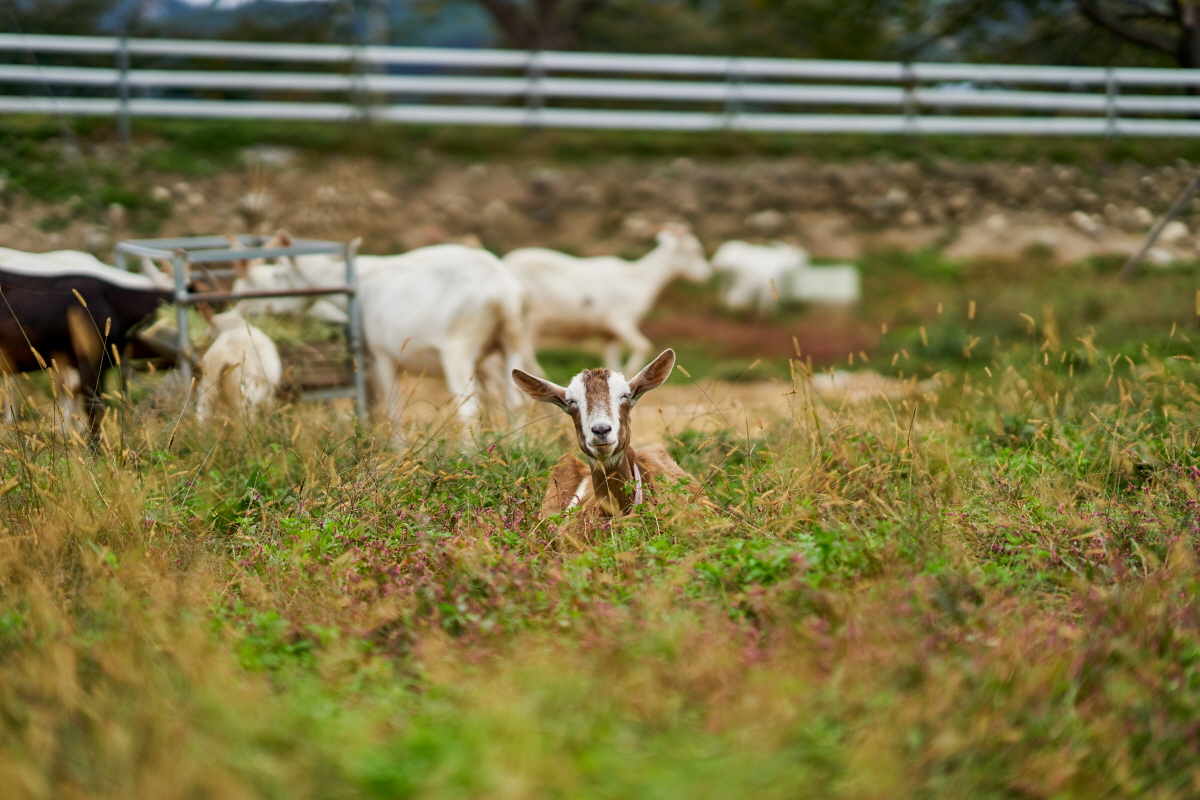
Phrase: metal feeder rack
(183, 252)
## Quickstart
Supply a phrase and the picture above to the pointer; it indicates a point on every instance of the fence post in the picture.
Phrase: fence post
(184, 342)
(354, 333)
(908, 79)
(123, 128)
(733, 94)
(359, 96)
(1110, 103)
(534, 100)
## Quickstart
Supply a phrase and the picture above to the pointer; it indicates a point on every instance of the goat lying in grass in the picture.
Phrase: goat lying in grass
(616, 477)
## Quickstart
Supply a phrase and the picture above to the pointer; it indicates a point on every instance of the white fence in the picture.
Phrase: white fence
(158, 78)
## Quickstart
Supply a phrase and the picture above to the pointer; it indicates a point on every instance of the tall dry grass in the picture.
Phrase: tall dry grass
(989, 591)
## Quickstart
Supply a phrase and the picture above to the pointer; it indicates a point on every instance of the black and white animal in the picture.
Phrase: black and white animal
(67, 318)
(615, 476)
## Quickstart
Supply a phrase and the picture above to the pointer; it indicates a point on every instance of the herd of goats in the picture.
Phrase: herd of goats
(448, 309)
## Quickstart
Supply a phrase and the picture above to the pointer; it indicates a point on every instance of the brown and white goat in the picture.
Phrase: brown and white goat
(616, 477)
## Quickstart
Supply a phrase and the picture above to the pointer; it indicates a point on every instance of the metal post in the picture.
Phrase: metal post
(184, 360)
(533, 89)
(733, 94)
(120, 257)
(909, 80)
(354, 334)
(1110, 103)
(123, 128)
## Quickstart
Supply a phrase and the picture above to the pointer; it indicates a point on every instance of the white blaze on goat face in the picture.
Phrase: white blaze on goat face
(599, 401)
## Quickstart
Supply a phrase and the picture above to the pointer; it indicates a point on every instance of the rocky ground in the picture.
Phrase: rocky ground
(838, 211)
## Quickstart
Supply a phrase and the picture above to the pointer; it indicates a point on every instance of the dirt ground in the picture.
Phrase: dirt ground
(744, 409)
(837, 211)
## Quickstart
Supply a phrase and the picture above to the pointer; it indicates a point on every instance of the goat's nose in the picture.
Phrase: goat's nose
(602, 429)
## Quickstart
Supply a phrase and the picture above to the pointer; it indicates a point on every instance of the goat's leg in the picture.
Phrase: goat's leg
(741, 293)
(612, 355)
(458, 365)
(206, 396)
(491, 377)
(639, 346)
(8, 398)
(8, 389)
(91, 380)
(387, 391)
(766, 299)
(68, 387)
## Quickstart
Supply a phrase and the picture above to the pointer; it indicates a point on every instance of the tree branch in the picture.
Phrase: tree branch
(1148, 15)
(1128, 32)
(509, 17)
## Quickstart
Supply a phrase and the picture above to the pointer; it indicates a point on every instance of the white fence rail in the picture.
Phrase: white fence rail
(560, 89)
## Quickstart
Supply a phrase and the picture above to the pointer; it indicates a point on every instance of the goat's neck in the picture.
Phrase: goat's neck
(614, 482)
(654, 271)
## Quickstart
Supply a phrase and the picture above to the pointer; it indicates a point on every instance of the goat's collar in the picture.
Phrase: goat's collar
(611, 479)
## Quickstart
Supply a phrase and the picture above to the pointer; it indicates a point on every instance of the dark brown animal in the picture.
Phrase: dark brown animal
(76, 320)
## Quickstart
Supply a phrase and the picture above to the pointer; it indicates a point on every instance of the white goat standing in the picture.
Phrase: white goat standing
(442, 309)
(605, 296)
(756, 273)
(241, 369)
(447, 309)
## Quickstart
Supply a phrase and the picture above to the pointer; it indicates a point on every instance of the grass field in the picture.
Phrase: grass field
(986, 592)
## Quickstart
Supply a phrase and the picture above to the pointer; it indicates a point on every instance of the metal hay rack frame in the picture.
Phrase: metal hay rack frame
(184, 252)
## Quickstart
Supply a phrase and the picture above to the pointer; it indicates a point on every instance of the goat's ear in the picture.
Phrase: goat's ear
(206, 311)
(674, 229)
(541, 390)
(281, 239)
(652, 375)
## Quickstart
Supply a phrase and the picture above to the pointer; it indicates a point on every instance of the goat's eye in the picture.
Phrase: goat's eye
(572, 404)
(626, 397)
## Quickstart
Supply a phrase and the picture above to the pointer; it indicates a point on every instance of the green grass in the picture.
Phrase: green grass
(31, 147)
(991, 593)
(987, 591)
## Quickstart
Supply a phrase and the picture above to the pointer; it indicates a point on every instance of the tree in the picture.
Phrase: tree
(1171, 27)
(541, 24)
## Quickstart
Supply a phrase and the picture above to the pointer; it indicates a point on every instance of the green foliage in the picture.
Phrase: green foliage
(987, 587)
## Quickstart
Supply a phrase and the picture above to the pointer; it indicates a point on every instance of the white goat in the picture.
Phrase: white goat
(257, 275)
(757, 272)
(241, 369)
(605, 296)
(447, 309)
(443, 309)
